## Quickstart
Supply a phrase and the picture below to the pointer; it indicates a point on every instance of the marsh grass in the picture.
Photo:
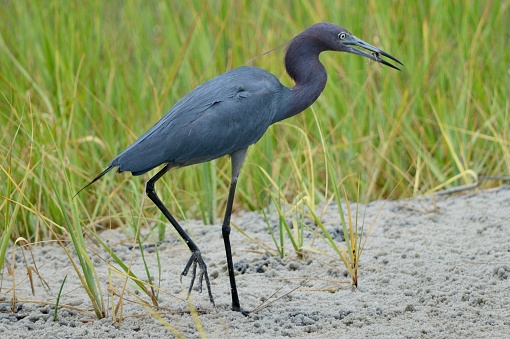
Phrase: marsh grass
(57, 302)
(79, 81)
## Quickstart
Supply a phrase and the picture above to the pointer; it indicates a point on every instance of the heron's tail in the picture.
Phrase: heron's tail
(95, 179)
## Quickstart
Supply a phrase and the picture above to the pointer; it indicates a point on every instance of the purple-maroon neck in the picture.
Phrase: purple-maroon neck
(303, 65)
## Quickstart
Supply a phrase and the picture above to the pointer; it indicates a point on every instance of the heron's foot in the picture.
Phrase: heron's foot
(194, 261)
(243, 312)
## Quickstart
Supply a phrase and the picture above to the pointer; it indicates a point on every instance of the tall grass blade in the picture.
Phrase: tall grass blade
(57, 303)
(90, 278)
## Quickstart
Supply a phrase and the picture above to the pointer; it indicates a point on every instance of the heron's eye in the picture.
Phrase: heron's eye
(341, 36)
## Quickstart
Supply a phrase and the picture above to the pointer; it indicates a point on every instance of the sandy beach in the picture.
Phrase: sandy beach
(433, 267)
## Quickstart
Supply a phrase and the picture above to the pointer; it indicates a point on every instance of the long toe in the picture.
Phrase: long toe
(245, 313)
(192, 261)
(204, 274)
(193, 277)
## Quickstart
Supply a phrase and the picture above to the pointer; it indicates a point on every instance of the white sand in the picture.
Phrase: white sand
(429, 270)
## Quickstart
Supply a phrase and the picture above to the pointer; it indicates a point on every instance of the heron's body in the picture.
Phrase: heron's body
(227, 114)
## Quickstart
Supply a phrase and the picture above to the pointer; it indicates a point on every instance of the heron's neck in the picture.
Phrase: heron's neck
(303, 65)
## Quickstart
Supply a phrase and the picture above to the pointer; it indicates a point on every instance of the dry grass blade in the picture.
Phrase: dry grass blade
(272, 298)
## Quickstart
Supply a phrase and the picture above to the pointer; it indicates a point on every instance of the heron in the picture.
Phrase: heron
(225, 116)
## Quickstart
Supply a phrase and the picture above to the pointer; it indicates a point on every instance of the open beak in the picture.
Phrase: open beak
(351, 42)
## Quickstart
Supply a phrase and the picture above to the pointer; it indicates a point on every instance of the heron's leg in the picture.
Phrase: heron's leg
(237, 161)
(196, 257)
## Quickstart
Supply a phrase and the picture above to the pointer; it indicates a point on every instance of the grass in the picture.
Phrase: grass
(57, 302)
(79, 81)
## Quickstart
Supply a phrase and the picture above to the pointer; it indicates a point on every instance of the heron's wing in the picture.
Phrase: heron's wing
(227, 113)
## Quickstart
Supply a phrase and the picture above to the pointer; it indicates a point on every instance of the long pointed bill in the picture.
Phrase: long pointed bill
(353, 42)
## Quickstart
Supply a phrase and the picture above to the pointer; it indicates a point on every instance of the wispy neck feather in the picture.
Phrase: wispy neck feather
(303, 65)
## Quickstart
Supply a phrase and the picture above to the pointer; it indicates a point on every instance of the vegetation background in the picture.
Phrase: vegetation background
(81, 80)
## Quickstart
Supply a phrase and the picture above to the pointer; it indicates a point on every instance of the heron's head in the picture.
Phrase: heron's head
(335, 38)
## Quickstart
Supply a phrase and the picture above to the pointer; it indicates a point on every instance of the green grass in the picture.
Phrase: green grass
(79, 81)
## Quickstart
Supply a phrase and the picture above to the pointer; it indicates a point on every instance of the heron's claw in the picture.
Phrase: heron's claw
(196, 258)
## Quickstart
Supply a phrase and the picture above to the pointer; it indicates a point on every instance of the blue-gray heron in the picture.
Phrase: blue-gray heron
(227, 114)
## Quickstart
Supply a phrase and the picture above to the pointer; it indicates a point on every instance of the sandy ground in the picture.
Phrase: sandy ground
(435, 267)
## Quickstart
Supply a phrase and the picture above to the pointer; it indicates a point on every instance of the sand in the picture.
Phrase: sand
(433, 267)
